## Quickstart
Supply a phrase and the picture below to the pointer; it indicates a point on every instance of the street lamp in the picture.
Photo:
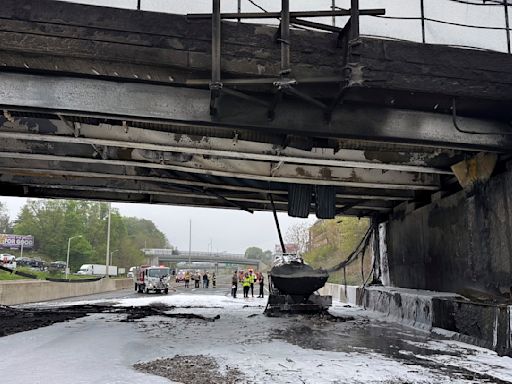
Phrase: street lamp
(67, 258)
(111, 259)
(108, 240)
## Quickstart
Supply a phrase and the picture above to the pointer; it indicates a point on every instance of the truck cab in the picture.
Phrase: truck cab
(8, 261)
(85, 269)
(152, 278)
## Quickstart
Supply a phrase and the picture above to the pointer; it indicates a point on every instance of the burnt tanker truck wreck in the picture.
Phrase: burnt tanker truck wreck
(293, 285)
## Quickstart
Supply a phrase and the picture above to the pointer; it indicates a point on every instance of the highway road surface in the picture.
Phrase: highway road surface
(205, 336)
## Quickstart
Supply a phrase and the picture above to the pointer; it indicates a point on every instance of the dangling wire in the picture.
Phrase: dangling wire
(353, 256)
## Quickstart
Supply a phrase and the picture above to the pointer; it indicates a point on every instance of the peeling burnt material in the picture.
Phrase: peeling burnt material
(401, 156)
(42, 126)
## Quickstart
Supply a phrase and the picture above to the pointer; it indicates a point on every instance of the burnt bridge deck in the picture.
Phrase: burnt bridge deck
(112, 104)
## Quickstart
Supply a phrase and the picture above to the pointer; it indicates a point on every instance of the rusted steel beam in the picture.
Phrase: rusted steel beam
(285, 37)
(320, 26)
(134, 102)
(354, 19)
(215, 84)
(507, 24)
(276, 15)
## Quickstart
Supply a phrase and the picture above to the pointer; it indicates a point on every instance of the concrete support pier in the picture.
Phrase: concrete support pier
(461, 243)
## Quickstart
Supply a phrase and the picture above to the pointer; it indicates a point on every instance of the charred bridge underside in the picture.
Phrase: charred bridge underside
(104, 103)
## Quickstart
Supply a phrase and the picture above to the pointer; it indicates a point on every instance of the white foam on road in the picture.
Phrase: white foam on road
(99, 349)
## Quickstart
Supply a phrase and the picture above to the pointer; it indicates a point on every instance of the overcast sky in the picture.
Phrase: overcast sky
(228, 230)
(234, 231)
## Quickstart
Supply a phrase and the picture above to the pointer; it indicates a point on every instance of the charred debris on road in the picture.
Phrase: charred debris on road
(16, 320)
(204, 369)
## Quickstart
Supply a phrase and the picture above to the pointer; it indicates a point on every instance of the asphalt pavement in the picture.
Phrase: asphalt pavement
(215, 337)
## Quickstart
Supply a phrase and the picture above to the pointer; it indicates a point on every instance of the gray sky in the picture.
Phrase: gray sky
(234, 231)
(228, 230)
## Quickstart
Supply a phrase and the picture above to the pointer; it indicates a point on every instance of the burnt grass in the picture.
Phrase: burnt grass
(16, 320)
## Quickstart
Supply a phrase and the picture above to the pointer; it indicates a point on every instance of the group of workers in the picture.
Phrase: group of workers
(247, 279)
(197, 277)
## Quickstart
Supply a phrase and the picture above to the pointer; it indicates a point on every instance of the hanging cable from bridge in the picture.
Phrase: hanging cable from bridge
(361, 248)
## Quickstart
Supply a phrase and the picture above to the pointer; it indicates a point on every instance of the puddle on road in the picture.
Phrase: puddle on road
(353, 336)
(390, 340)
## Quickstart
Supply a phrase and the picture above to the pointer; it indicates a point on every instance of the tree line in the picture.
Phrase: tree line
(53, 222)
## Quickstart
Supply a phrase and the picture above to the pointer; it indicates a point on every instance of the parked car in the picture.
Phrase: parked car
(31, 263)
(57, 266)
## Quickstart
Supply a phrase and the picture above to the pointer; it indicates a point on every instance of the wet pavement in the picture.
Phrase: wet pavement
(362, 348)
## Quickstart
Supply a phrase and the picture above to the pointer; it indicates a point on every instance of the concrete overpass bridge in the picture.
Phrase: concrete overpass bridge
(156, 256)
(122, 105)
(116, 104)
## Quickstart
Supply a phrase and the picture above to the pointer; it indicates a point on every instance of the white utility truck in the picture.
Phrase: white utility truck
(147, 278)
(97, 270)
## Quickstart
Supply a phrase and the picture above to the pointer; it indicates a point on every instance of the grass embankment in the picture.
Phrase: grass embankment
(41, 275)
(336, 239)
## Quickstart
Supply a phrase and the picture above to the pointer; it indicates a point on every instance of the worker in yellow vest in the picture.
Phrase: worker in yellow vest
(246, 284)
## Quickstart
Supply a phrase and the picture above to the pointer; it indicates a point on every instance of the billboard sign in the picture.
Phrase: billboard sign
(15, 241)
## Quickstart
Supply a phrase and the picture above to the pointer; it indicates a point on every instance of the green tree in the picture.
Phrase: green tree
(53, 222)
(80, 253)
(258, 254)
(5, 221)
(254, 253)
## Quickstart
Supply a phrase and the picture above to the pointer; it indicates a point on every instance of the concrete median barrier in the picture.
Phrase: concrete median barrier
(31, 291)
(349, 294)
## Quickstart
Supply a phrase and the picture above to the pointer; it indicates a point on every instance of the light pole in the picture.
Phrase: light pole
(67, 257)
(190, 243)
(108, 240)
(111, 259)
